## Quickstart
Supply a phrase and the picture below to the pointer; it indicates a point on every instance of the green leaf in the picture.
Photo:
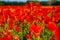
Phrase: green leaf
(1, 29)
(41, 24)
(21, 32)
(33, 37)
(38, 38)
(6, 25)
(13, 39)
(25, 21)
(14, 33)
(28, 24)
(38, 17)
(20, 35)
(49, 15)
(58, 24)
(46, 34)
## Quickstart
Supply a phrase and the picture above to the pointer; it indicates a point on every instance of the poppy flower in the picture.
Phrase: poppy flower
(32, 29)
(35, 29)
(47, 19)
(21, 19)
(28, 36)
(31, 4)
(37, 4)
(17, 29)
(36, 35)
(57, 34)
(11, 26)
(56, 17)
(16, 37)
(30, 18)
(1, 39)
(57, 8)
(51, 26)
(10, 22)
(7, 37)
(38, 29)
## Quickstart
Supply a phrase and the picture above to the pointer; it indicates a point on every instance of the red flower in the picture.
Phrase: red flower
(38, 29)
(5, 12)
(51, 26)
(57, 34)
(36, 35)
(35, 29)
(1, 21)
(32, 29)
(27, 4)
(11, 26)
(10, 22)
(28, 36)
(17, 29)
(31, 4)
(16, 37)
(7, 37)
(30, 18)
(22, 18)
(56, 17)
(1, 38)
(57, 9)
(38, 4)
(47, 19)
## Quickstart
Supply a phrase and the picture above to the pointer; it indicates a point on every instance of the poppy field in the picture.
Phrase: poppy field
(30, 22)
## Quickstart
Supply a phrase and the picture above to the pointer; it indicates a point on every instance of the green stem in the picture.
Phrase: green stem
(21, 32)
(38, 38)
(33, 38)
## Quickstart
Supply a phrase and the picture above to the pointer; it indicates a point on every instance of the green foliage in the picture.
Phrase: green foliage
(1, 29)
(1, 3)
(46, 34)
(6, 25)
(58, 24)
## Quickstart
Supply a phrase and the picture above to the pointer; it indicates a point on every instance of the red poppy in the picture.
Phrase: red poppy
(27, 5)
(30, 18)
(10, 22)
(37, 4)
(35, 29)
(1, 39)
(57, 34)
(16, 37)
(36, 35)
(17, 29)
(47, 19)
(38, 29)
(31, 4)
(57, 8)
(51, 26)
(21, 19)
(32, 29)
(28, 36)
(56, 17)
(11, 26)
(7, 37)
(7, 33)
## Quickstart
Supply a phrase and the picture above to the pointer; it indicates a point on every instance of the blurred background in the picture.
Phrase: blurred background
(23, 2)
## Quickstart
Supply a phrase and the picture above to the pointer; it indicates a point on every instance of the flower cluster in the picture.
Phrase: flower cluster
(30, 22)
